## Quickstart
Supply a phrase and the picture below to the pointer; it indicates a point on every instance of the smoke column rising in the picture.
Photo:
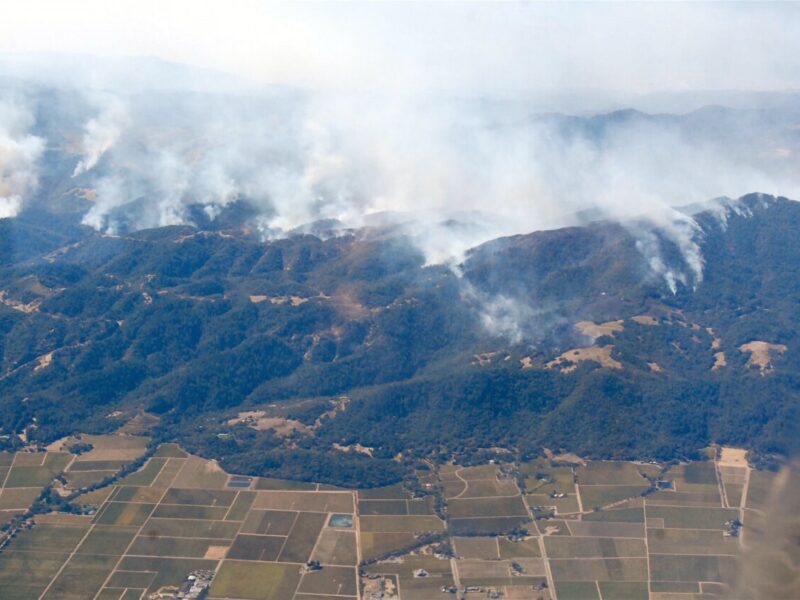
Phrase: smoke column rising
(20, 152)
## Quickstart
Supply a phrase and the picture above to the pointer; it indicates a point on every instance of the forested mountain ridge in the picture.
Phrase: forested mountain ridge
(565, 339)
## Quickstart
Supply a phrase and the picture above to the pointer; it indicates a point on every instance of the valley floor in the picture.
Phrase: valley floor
(597, 530)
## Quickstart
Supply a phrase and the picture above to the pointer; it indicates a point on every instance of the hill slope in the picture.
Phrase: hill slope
(563, 339)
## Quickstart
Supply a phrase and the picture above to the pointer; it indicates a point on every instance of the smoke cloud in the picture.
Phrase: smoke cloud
(19, 154)
(102, 132)
(455, 173)
(453, 123)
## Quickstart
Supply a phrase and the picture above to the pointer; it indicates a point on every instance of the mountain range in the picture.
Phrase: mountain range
(346, 358)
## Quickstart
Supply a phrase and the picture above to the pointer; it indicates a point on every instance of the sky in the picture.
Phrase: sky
(462, 48)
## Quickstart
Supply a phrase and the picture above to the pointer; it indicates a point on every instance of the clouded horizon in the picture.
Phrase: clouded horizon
(462, 48)
(429, 110)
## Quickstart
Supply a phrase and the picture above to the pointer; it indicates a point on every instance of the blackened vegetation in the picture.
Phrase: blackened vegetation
(198, 325)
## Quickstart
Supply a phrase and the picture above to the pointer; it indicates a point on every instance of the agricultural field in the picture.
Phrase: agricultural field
(647, 531)
(23, 476)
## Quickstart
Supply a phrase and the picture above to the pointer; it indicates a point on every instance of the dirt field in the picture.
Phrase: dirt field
(762, 354)
(569, 360)
(594, 330)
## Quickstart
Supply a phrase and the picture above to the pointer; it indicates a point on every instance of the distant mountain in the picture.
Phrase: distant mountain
(561, 339)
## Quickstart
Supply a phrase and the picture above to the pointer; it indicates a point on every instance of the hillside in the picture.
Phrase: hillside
(564, 339)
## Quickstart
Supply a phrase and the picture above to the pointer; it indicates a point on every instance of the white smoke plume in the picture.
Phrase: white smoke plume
(102, 131)
(423, 162)
(20, 152)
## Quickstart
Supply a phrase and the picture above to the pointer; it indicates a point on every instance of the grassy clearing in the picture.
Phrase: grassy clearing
(624, 590)
(201, 474)
(256, 547)
(606, 529)
(306, 501)
(527, 548)
(302, 538)
(36, 476)
(374, 544)
(692, 517)
(668, 498)
(146, 475)
(391, 492)
(170, 451)
(566, 505)
(573, 547)
(394, 524)
(487, 507)
(336, 548)
(82, 479)
(267, 483)
(476, 547)
(600, 495)
(183, 511)
(82, 577)
(95, 498)
(190, 528)
(623, 515)
(97, 465)
(577, 590)
(168, 472)
(599, 569)
(172, 547)
(734, 493)
(615, 473)
(383, 507)
(18, 498)
(131, 579)
(665, 567)
(255, 581)
(272, 522)
(675, 587)
(486, 525)
(690, 541)
(330, 580)
(49, 538)
(38, 568)
(123, 514)
(107, 540)
(199, 497)
(137, 494)
(241, 506)
(758, 492)
(168, 571)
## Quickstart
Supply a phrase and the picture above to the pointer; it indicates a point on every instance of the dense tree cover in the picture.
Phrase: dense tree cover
(195, 326)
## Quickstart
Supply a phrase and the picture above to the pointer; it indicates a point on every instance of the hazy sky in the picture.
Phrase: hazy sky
(464, 47)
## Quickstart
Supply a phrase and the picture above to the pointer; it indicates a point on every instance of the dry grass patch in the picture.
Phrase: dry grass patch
(485, 548)
(594, 330)
(200, 473)
(732, 457)
(568, 361)
(339, 502)
(762, 354)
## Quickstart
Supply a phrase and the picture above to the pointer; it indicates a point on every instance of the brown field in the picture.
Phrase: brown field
(336, 548)
(340, 502)
(568, 361)
(476, 547)
(393, 524)
(762, 354)
(594, 330)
